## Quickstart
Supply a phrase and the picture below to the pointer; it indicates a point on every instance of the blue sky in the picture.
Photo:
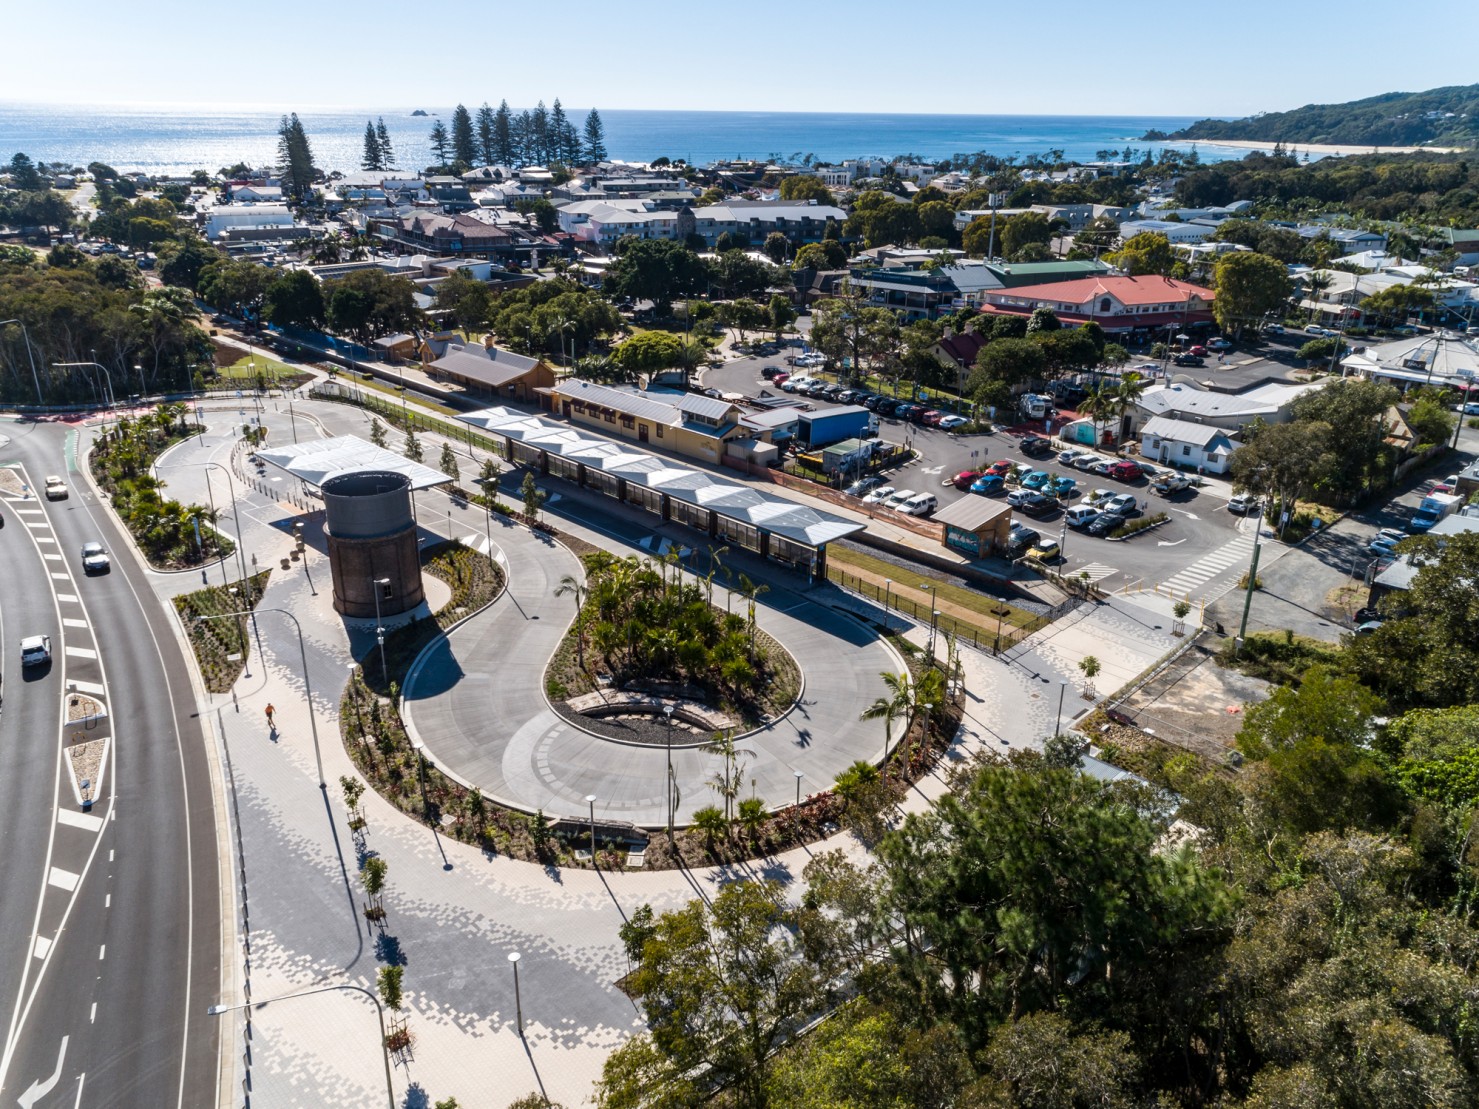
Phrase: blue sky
(1070, 57)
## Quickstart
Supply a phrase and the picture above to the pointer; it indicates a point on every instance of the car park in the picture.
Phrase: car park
(987, 484)
(1125, 470)
(1242, 504)
(1081, 516)
(1046, 550)
(862, 486)
(56, 488)
(879, 495)
(94, 558)
(950, 423)
(35, 650)
(921, 504)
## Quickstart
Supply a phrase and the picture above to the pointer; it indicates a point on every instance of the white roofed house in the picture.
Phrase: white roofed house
(232, 222)
(1181, 401)
(493, 372)
(799, 222)
(1186, 445)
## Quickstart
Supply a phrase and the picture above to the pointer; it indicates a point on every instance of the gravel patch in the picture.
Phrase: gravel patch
(80, 707)
(86, 759)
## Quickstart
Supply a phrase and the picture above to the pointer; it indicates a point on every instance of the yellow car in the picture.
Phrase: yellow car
(1046, 551)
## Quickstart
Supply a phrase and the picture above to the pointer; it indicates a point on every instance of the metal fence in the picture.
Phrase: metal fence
(993, 633)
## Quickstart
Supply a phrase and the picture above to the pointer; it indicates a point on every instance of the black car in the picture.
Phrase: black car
(1189, 360)
(883, 406)
(1105, 523)
(1038, 504)
(1035, 444)
(769, 372)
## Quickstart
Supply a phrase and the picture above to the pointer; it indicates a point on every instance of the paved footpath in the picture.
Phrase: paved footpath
(454, 913)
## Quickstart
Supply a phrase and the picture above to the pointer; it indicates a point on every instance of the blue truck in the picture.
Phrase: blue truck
(832, 425)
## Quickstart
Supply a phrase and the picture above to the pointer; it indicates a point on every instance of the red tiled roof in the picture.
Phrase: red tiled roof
(963, 347)
(1130, 291)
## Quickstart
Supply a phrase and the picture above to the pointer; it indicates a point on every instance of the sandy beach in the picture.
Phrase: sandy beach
(1325, 148)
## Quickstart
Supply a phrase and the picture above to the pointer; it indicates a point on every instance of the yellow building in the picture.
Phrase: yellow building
(684, 424)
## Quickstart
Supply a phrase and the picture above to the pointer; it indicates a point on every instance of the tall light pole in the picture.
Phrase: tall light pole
(888, 590)
(590, 799)
(30, 356)
(513, 959)
(307, 684)
(218, 1010)
(799, 776)
(1062, 688)
(235, 515)
(667, 711)
(98, 366)
(931, 588)
(380, 632)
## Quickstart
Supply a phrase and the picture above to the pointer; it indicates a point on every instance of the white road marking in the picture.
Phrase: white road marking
(61, 577)
(103, 950)
(69, 622)
(43, 945)
(87, 687)
(1170, 542)
(82, 1077)
(82, 652)
(37, 524)
(107, 900)
(40, 1089)
(86, 821)
(31, 512)
(1096, 571)
(63, 879)
(54, 558)
(72, 597)
(91, 1018)
(45, 539)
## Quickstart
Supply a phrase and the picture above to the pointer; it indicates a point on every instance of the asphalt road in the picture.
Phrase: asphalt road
(119, 955)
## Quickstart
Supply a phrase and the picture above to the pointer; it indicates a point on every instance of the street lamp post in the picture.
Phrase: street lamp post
(888, 590)
(667, 711)
(30, 356)
(235, 516)
(218, 1010)
(380, 632)
(799, 776)
(934, 623)
(307, 684)
(106, 374)
(931, 588)
(590, 799)
(1062, 688)
(513, 959)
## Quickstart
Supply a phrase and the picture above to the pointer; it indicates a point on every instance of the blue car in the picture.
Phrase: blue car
(1062, 487)
(988, 483)
(1035, 480)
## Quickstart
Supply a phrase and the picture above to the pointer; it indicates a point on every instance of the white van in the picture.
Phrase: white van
(1081, 516)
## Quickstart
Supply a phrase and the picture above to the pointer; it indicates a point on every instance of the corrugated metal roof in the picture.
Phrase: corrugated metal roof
(322, 459)
(699, 405)
(742, 503)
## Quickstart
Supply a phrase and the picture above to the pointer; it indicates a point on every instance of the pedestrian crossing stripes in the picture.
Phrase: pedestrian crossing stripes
(1200, 572)
(1095, 571)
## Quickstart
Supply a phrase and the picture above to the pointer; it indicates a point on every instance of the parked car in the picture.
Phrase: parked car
(931, 417)
(862, 486)
(1395, 535)
(900, 497)
(846, 396)
(921, 504)
(1081, 516)
(1316, 329)
(1099, 496)
(94, 559)
(56, 488)
(780, 379)
(879, 495)
(1038, 504)
(964, 479)
(1447, 485)
(1036, 480)
(1188, 359)
(1217, 342)
(1125, 470)
(1102, 467)
(1001, 467)
(1123, 504)
(1035, 445)
(1066, 458)
(1105, 523)
(1368, 627)
(950, 423)
(1046, 550)
(1273, 329)
(1197, 349)
(988, 484)
(1062, 487)
(1242, 504)
(769, 372)
(1018, 497)
(1086, 461)
(1382, 548)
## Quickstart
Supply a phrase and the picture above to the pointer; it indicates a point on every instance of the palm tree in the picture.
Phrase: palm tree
(1126, 399)
(1315, 283)
(749, 591)
(752, 815)
(571, 585)
(1097, 406)
(711, 822)
(895, 704)
(727, 785)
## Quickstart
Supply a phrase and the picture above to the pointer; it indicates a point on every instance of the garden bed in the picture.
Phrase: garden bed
(221, 646)
(85, 761)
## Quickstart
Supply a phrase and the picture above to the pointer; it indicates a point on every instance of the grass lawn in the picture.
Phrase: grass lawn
(945, 590)
(244, 370)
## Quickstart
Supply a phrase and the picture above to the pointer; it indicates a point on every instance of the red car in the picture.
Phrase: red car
(1125, 470)
(780, 379)
(1199, 350)
(1002, 468)
(932, 417)
(963, 479)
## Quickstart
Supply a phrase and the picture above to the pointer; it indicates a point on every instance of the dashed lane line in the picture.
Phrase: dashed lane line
(70, 597)
(81, 652)
(68, 622)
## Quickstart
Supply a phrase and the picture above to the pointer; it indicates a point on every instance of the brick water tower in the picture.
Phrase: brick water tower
(372, 543)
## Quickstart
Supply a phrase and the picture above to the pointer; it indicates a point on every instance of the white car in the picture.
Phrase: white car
(56, 488)
(900, 497)
(1125, 504)
(1243, 503)
(878, 496)
(921, 504)
(35, 650)
(94, 559)
(950, 423)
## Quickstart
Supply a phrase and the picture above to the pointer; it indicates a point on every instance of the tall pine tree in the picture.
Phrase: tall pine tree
(559, 127)
(523, 138)
(503, 140)
(464, 146)
(440, 143)
(295, 158)
(387, 154)
(595, 138)
(539, 133)
(372, 158)
(485, 134)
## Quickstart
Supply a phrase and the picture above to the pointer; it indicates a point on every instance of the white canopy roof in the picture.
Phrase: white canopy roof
(322, 459)
(745, 504)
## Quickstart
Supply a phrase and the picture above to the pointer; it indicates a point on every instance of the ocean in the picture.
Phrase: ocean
(178, 140)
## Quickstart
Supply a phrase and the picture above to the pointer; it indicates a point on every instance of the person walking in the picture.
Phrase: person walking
(270, 722)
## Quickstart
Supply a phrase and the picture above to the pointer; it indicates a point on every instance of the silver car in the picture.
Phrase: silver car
(95, 559)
